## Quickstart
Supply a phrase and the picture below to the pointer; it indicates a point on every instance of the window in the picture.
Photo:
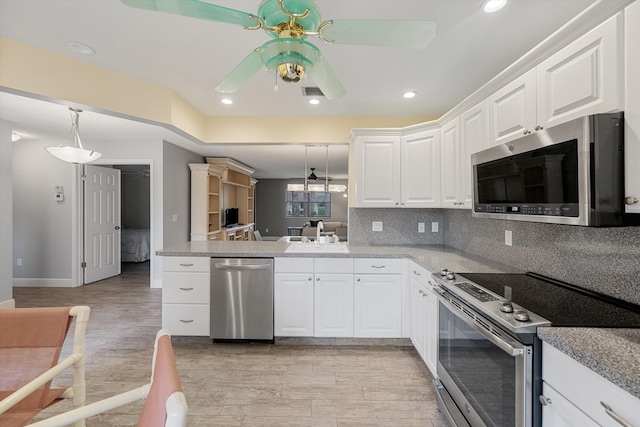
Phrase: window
(308, 204)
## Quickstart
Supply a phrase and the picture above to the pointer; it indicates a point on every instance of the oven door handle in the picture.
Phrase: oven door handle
(500, 342)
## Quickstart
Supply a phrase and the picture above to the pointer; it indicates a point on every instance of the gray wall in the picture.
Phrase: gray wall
(270, 207)
(605, 260)
(6, 214)
(177, 194)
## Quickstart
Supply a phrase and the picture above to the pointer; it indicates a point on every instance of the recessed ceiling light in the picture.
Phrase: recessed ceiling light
(491, 6)
(15, 137)
(314, 101)
(81, 48)
(410, 94)
(226, 101)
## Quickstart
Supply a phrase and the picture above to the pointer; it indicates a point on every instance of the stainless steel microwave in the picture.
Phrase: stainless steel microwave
(572, 173)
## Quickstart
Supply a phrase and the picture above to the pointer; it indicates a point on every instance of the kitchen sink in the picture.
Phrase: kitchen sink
(312, 247)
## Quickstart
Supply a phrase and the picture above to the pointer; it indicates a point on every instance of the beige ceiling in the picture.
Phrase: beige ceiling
(189, 57)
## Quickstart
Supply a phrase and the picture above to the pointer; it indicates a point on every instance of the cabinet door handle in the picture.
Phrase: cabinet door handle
(358, 279)
(186, 289)
(186, 265)
(317, 279)
(309, 278)
(544, 400)
(378, 266)
(416, 273)
(539, 127)
(615, 416)
(186, 321)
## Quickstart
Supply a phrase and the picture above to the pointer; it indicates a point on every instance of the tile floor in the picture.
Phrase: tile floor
(239, 384)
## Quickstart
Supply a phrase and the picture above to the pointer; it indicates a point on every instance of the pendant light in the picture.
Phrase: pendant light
(76, 153)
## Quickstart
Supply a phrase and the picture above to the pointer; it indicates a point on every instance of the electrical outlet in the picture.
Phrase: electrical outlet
(266, 230)
(376, 226)
(421, 227)
(19, 262)
(434, 227)
(508, 238)
(174, 218)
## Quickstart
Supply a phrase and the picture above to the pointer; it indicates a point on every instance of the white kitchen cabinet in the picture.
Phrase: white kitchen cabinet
(377, 170)
(378, 298)
(333, 297)
(451, 158)
(185, 295)
(581, 79)
(582, 399)
(397, 171)
(293, 297)
(424, 316)
(420, 171)
(632, 108)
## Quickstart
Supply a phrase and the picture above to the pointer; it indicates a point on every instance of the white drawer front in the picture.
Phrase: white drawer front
(293, 265)
(561, 372)
(378, 265)
(186, 319)
(419, 273)
(185, 288)
(179, 263)
(333, 265)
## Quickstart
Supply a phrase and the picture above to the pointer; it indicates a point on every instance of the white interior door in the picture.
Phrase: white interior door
(101, 223)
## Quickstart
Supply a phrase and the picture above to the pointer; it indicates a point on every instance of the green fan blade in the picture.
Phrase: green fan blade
(412, 34)
(326, 79)
(195, 9)
(241, 73)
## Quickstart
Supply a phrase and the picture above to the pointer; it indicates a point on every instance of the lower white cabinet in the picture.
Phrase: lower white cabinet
(293, 297)
(424, 316)
(378, 298)
(574, 395)
(185, 295)
(333, 305)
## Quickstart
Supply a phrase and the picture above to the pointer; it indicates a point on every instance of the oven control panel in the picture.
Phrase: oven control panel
(476, 292)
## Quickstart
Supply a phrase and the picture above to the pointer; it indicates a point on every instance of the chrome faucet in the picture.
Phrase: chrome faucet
(319, 228)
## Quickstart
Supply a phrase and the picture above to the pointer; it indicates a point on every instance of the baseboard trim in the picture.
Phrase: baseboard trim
(10, 303)
(156, 283)
(42, 283)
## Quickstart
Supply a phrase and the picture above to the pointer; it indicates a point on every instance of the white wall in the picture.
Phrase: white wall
(6, 215)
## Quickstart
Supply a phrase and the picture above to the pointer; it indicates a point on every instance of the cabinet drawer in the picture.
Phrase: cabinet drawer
(186, 319)
(419, 273)
(378, 265)
(333, 265)
(560, 372)
(179, 263)
(185, 288)
(293, 265)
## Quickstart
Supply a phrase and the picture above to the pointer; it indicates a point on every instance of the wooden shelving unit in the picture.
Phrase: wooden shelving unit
(219, 184)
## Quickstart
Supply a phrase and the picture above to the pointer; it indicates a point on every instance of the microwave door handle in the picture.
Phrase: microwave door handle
(497, 341)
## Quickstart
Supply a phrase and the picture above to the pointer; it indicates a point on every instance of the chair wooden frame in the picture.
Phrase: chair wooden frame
(175, 405)
(77, 360)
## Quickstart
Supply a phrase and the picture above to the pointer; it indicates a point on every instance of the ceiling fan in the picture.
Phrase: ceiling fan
(290, 23)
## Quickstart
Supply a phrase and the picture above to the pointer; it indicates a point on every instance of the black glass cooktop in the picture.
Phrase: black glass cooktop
(560, 303)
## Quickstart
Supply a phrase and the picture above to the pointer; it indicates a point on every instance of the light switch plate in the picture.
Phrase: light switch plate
(434, 227)
(376, 226)
(421, 227)
(508, 238)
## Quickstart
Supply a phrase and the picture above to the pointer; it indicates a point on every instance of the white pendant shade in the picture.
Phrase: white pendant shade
(74, 154)
(77, 153)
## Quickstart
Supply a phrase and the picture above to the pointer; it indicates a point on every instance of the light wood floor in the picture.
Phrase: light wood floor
(239, 384)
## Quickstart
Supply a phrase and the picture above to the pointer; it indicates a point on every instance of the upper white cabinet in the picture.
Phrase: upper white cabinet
(398, 171)
(451, 163)
(377, 166)
(632, 108)
(581, 79)
(420, 172)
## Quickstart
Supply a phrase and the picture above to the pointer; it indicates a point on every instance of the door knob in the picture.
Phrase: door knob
(117, 227)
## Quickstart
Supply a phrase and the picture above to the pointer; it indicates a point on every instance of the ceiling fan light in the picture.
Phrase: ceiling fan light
(312, 176)
(290, 72)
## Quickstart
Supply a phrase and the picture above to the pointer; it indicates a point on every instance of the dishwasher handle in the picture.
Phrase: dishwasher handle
(222, 266)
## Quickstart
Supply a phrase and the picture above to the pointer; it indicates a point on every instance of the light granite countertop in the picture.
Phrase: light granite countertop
(432, 257)
(612, 353)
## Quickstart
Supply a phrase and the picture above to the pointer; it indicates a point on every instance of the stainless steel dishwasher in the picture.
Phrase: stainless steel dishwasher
(242, 299)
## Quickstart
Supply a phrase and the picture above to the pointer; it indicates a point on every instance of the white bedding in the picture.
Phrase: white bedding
(134, 245)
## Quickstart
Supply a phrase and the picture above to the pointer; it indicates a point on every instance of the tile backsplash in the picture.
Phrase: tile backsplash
(605, 260)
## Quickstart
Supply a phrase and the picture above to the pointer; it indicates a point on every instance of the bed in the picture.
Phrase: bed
(134, 245)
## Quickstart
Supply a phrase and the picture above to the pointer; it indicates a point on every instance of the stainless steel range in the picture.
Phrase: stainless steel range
(489, 363)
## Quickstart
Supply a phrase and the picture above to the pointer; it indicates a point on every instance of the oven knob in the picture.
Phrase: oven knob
(506, 307)
(521, 315)
(444, 272)
(451, 275)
